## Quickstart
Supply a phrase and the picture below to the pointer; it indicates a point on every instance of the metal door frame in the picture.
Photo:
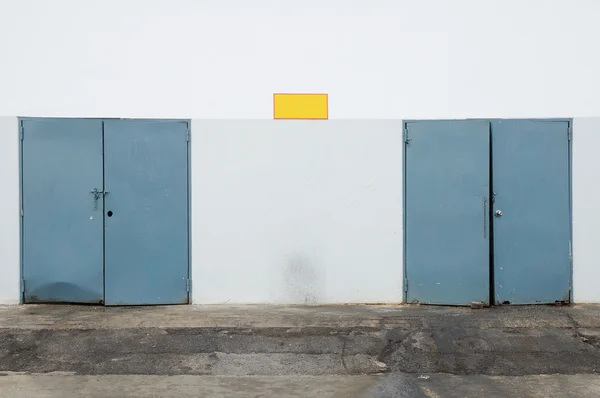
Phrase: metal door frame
(20, 131)
(405, 122)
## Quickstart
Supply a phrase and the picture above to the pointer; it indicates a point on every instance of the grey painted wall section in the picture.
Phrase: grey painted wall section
(296, 211)
(10, 232)
(586, 210)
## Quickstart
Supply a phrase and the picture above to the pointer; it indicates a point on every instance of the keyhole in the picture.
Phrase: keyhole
(109, 213)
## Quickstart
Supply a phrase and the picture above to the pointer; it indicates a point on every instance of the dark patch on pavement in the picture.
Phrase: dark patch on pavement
(185, 351)
(511, 352)
(465, 351)
(413, 340)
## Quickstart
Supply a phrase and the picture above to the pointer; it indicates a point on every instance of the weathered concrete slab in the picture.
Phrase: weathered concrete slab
(296, 340)
(253, 316)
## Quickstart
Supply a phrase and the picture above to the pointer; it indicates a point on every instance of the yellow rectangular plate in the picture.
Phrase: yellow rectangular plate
(300, 106)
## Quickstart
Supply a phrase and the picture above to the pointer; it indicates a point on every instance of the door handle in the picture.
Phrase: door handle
(499, 213)
(97, 194)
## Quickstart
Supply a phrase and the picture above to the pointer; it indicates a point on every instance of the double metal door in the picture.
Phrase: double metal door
(105, 211)
(487, 211)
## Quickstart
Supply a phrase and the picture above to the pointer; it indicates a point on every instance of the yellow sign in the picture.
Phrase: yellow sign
(300, 106)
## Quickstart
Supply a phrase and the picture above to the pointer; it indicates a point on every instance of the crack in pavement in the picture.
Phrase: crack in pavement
(494, 342)
(593, 341)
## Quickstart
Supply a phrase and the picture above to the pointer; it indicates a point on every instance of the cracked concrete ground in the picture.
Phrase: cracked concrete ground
(308, 350)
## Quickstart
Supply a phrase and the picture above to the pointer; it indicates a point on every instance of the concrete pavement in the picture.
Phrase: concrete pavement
(334, 386)
(353, 350)
(266, 316)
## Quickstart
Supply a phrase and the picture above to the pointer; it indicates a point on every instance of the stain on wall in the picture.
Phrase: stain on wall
(301, 280)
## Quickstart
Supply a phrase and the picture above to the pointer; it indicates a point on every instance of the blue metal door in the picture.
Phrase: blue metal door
(447, 212)
(62, 210)
(146, 217)
(531, 211)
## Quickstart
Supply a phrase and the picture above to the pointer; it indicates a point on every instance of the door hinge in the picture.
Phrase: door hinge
(21, 133)
(22, 213)
(187, 285)
(570, 135)
(405, 285)
(23, 286)
(187, 134)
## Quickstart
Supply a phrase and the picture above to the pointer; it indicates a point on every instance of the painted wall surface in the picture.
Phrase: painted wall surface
(296, 211)
(10, 219)
(586, 213)
(289, 211)
(225, 58)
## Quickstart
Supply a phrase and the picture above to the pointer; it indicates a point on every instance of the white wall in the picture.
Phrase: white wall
(10, 237)
(225, 58)
(586, 210)
(296, 211)
(377, 59)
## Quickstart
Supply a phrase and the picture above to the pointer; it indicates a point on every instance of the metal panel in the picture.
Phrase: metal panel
(532, 211)
(447, 211)
(146, 216)
(62, 219)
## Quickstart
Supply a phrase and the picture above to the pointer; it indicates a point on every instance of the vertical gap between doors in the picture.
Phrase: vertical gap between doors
(404, 218)
(103, 224)
(491, 217)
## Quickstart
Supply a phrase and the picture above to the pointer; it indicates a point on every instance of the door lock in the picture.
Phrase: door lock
(97, 195)
(499, 213)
